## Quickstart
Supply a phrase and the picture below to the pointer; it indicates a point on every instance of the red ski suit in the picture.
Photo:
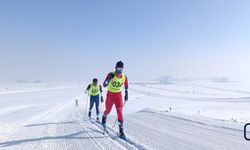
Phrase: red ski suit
(114, 98)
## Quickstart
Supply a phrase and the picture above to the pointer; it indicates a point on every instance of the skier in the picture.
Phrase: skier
(76, 102)
(115, 81)
(95, 90)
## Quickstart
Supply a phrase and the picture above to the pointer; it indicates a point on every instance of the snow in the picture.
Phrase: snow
(195, 115)
(226, 103)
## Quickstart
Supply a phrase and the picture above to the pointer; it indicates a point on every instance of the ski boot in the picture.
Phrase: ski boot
(89, 115)
(104, 118)
(97, 119)
(121, 133)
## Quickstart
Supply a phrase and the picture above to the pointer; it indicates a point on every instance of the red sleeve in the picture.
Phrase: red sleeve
(126, 83)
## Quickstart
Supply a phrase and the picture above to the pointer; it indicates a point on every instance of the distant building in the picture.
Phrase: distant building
(165, 80)
(37, 81)
(21, 81)
(221, 79)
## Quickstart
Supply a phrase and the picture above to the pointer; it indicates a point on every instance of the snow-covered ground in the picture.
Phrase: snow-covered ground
(185, 115)
(225, 101)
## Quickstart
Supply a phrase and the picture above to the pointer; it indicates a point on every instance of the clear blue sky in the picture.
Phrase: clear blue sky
(77, 40)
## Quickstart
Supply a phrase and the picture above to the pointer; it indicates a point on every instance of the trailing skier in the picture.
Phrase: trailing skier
(95, 91)
(115, 81)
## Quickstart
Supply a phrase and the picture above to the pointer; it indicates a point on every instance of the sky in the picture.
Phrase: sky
(76, 40)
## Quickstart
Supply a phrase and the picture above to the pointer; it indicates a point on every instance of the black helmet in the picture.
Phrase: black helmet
(119, 64)
(95, 80)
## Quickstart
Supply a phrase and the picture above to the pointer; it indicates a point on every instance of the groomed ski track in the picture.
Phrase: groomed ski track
(64, 126)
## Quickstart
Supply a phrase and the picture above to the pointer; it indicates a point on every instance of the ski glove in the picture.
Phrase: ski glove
(126, 96)
(102, 99)
(86, 92)
(106, 83)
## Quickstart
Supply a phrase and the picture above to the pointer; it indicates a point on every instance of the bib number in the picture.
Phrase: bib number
(116, 84)
(94, 91)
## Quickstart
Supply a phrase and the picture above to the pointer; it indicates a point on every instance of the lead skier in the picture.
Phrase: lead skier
(115, 81)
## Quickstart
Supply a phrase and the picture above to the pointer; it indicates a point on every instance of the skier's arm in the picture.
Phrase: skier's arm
(101, 89)
(101, 93)
(126, 89)
(107, 80)
(87, 90)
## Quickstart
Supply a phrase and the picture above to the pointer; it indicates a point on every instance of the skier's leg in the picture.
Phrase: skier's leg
(109, 103)
(97, 107)
(119, 108)
(91, 105)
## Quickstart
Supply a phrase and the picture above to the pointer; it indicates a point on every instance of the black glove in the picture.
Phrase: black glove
(102, 99)
(126, 96)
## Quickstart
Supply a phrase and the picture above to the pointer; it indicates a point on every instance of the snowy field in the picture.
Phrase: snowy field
(183, 116)
(225, 101)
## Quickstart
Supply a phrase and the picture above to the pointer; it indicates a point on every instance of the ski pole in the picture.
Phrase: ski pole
(100, 107)
(117, 118)
(86, 99)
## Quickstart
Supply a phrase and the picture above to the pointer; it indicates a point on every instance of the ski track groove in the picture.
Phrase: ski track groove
(33, 132)
(132, 143)
(64, 140)
(112, 138)
(129, 144)
(35, 145)
(92, 139)
(10, 136)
